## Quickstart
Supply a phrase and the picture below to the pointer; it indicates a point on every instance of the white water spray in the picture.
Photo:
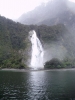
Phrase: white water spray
(37, 51)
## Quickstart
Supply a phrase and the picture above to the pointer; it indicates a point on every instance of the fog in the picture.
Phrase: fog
(50, 13)
(54, 50)
(63, 49)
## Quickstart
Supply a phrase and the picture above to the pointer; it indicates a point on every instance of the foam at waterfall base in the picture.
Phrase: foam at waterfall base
(36, 69)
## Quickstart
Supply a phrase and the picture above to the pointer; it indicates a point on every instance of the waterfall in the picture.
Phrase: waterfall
(37, 51)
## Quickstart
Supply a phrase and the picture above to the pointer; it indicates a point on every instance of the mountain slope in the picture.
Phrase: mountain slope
(54, 12)
(12, 40)
(15, 47)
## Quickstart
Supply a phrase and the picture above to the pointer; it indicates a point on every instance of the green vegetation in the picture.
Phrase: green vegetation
(53, 63)
(13, 61)
(12, 40)
(57, 64)
(15, 46)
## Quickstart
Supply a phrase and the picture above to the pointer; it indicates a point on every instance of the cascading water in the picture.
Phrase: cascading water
(37, 51)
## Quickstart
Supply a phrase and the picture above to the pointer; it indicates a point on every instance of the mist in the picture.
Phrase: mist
(52, 13)
(54, 50)
(63, 49)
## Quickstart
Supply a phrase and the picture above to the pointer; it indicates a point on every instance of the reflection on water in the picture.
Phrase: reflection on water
(37, 83)
(40, 85)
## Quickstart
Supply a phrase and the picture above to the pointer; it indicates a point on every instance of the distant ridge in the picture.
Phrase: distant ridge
(54, 12)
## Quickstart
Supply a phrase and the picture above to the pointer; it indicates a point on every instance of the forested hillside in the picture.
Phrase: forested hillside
(15, 46)
(12, 39)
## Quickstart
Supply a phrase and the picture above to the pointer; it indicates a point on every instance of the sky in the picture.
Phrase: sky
(13, 9)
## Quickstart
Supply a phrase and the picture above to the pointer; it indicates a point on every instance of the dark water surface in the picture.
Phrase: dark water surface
(38, 85)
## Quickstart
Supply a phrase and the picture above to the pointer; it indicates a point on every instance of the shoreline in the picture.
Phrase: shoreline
(38, 70)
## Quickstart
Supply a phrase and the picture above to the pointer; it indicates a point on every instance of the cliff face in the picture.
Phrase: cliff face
(15, 47)
(53, 13)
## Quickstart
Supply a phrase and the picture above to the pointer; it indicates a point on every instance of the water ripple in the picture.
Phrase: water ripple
(37, 86)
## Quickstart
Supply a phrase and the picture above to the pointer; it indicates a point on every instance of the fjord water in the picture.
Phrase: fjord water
(37, 85)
